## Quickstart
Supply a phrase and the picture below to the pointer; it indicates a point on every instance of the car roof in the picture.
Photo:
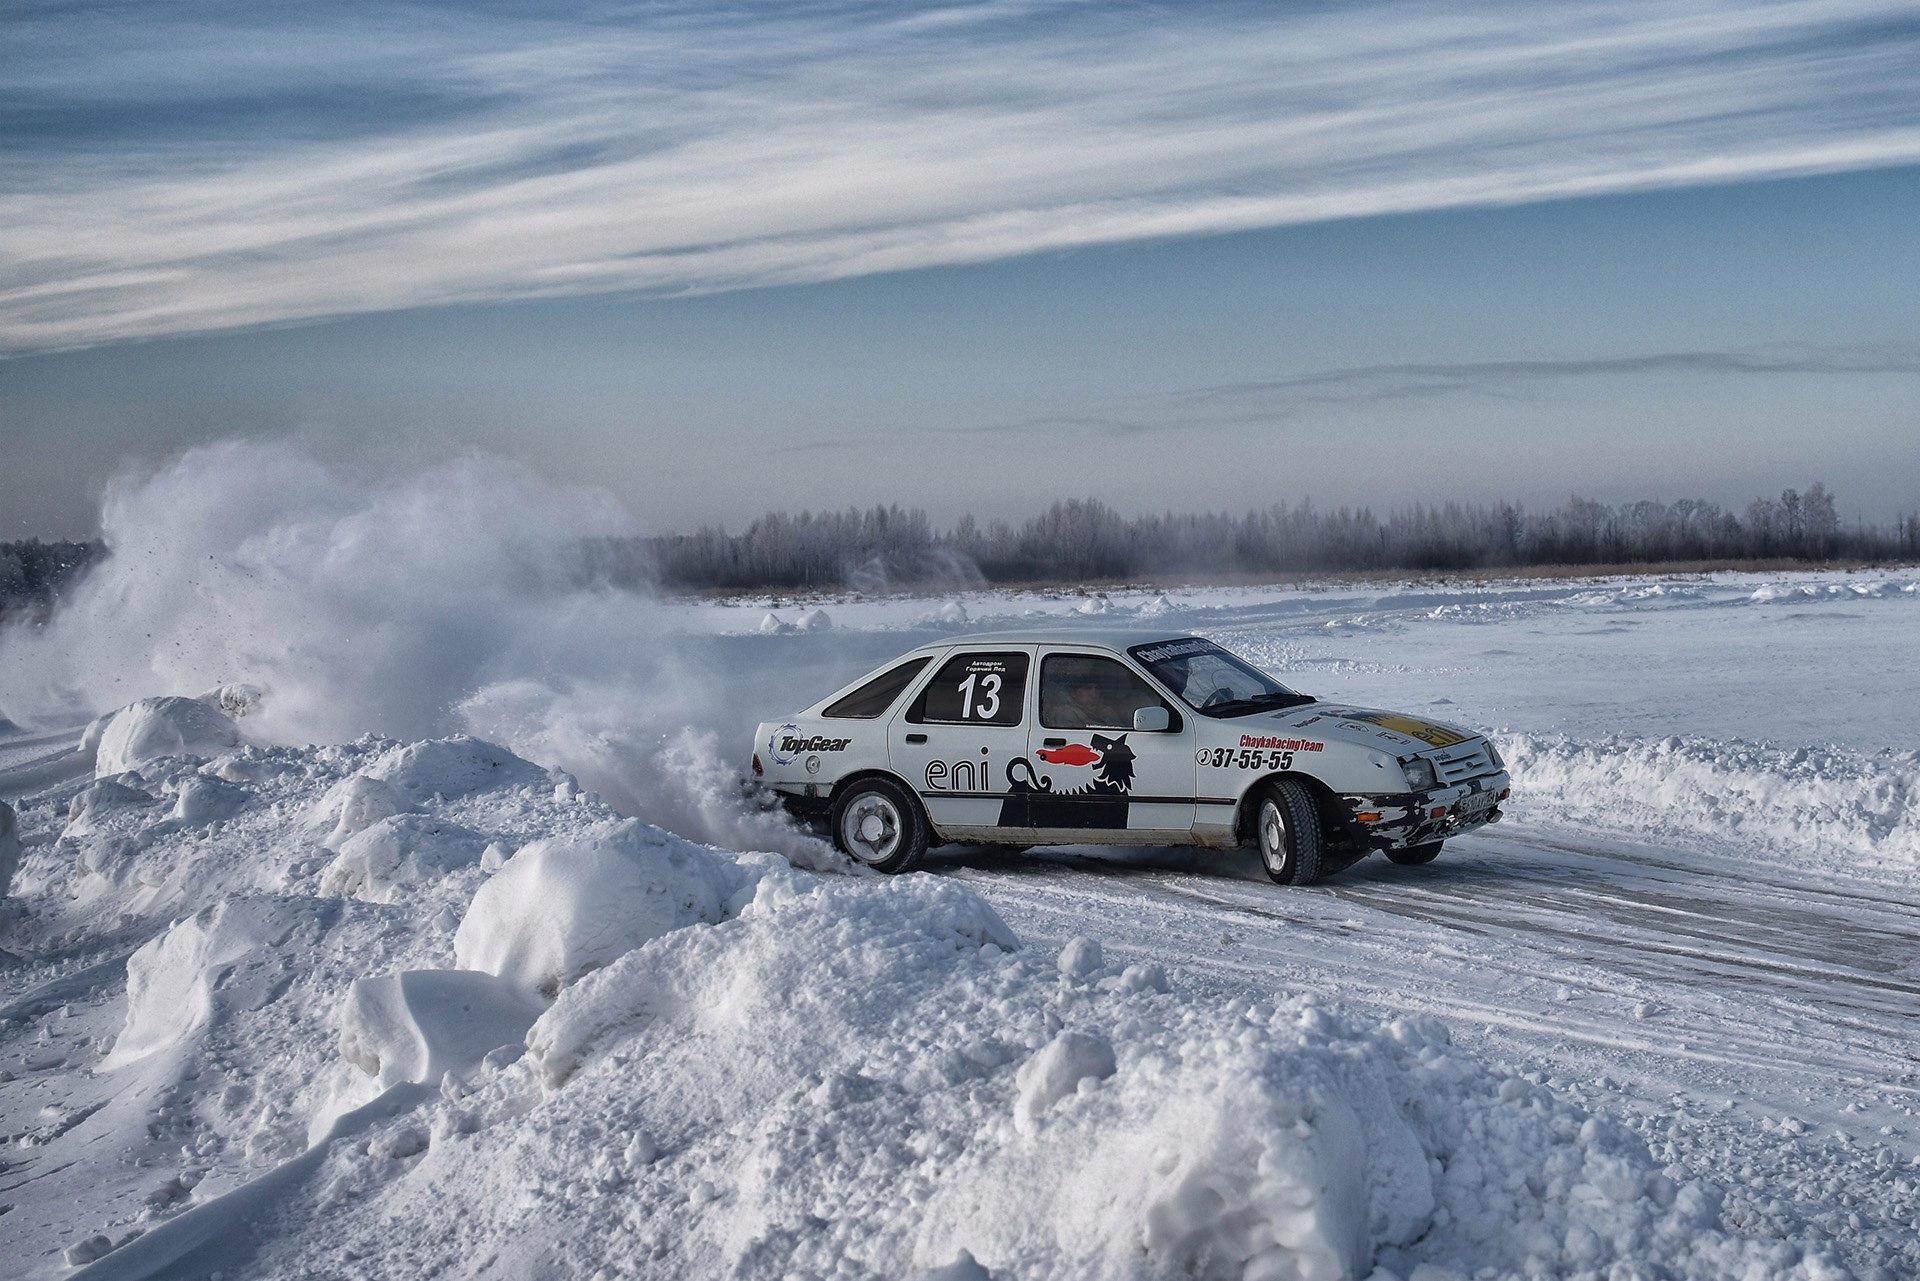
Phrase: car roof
(1118, 638)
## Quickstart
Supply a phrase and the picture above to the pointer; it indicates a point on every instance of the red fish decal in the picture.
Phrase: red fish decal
(1071, 754)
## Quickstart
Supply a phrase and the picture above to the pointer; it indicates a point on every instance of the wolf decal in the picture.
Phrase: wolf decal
(1101, 803)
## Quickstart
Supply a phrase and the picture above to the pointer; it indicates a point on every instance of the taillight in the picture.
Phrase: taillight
(758, 768)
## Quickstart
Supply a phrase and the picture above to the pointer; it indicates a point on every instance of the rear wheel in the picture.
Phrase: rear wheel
(877, 822)
(1286, 827)
(1414, 855)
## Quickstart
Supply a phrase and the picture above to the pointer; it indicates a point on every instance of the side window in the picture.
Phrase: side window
(975, 689)
(873, 699)
(1085, 691)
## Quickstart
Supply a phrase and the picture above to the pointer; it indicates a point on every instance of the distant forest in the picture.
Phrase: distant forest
(889, 548)
(881, 548)
(32, 572)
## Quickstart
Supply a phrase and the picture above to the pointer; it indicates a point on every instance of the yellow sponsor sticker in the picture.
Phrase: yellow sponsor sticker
(1426, 731)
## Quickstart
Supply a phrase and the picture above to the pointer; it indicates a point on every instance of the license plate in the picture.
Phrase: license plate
(1475, 805)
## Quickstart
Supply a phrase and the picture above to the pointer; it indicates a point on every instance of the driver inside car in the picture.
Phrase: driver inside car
(1083, 707)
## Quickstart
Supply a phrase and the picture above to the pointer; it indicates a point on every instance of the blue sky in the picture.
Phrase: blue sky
(972, 256)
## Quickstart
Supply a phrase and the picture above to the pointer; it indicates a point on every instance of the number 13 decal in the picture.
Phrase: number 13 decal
(989, 691)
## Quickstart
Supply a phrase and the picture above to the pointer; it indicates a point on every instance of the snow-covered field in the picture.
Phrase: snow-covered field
(371, 955)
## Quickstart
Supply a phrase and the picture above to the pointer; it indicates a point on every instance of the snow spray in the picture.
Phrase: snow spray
(453, 598)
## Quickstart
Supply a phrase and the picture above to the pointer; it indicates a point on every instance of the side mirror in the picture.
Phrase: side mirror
(1150, 720)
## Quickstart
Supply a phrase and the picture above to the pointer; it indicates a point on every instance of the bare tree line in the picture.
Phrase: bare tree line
(1080, 539)
(887, 547)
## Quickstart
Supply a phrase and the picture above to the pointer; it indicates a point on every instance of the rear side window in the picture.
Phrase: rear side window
(876, 696)
(975, 689)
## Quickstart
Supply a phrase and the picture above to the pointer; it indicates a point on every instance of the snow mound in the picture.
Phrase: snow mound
(353, 805)
(952, 612)
(1058, 1070)
(567, 905)
(378, 864)
(419, 1025)
(1757, 798)
(1804, 593)
(814, 620)
(224, 956)
(879, 1047)
(91, 804)
(202, 800)
(449, 768)
(156, 727)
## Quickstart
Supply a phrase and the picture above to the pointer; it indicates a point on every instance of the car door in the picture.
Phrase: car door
(963, 736)
(1096, 775)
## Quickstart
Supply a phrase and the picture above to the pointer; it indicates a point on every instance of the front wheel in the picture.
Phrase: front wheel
(1286, 826)
(877, 822)
(1414, 855)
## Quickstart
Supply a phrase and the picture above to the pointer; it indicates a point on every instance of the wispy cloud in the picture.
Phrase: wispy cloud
(1373, 383)
(177, 169)
(1232, 405)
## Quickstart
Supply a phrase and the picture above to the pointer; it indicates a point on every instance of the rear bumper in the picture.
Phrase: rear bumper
(810, 803)
(1393, 820)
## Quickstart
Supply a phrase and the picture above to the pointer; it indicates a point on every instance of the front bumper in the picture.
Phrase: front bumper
(1393, 820)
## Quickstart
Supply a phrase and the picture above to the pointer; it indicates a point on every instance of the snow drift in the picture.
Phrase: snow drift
(616, 1050)
(1817, 806)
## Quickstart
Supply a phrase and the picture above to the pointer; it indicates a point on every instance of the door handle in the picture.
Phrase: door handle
(916, 738)
(1054, 742)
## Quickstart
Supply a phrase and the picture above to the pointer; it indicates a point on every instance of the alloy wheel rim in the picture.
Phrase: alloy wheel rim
(1273, 836)
(871, 828)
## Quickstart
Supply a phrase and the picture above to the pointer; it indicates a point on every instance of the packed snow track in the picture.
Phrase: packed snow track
(428, 1002)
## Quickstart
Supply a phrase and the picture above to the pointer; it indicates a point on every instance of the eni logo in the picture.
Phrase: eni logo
(957, 776)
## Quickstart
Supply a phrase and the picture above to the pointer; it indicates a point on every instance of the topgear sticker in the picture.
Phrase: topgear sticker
(787, 744)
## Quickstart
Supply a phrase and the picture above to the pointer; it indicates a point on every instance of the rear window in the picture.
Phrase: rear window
(975, 689)
(874, 698)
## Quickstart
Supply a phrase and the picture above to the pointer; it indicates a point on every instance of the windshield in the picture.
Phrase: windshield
(1213, 682)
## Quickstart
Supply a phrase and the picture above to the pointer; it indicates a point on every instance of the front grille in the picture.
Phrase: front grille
(1466, 760)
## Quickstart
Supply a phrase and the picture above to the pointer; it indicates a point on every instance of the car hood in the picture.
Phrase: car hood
(1369, 726)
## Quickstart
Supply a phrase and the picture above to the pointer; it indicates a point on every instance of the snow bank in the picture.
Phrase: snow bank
(564, 906)
(156, 727)
(733, 1067)
(1830, 806)
(867, 1075)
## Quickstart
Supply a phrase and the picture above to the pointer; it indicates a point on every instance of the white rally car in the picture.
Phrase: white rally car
(1140, 738)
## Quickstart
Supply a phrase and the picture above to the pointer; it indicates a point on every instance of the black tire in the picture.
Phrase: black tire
(1287, 832)
(878, 822)
(1414, 855)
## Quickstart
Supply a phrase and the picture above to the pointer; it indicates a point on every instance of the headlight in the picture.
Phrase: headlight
(1420, 775)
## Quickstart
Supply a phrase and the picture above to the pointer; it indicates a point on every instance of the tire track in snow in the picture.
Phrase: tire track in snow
(1686, 963)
